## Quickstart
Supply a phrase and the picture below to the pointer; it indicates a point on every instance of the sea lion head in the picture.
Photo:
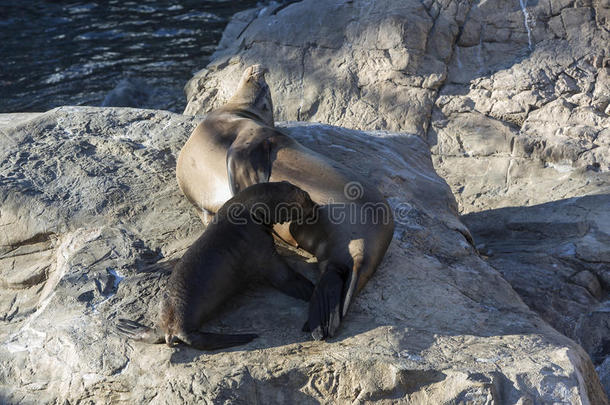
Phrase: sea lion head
(276, 202)
(290, 203)
(253, 94)
(308, 207)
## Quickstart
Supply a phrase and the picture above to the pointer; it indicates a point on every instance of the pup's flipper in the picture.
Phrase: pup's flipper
(214, 341)
(326, 305)
(141, 333)
(288, 281)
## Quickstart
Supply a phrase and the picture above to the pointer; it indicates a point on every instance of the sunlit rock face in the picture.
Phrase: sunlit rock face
(512, 98)
(92, 220)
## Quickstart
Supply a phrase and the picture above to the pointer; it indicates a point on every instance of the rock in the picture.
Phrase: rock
(557, 257)
(589, 281)
(354, 63)
(140, 92)
(512, 96)
(129, 92)
(511, 99)
(604, 374)
(90, 169)
(92, 220)
(537, 95)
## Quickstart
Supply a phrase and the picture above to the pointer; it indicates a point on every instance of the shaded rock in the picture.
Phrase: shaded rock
(557, 257)
(589, 281)
(89, 195)
(604, 374)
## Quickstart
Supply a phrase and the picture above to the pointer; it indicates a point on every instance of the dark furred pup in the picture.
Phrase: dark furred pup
(234, 248)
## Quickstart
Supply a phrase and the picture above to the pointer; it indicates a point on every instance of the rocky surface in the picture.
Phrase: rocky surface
(512, 97)
(522, 117)
(557, 257)
(92, 219)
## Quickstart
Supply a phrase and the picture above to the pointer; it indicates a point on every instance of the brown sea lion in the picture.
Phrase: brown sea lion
(234, 248)
(237, 145)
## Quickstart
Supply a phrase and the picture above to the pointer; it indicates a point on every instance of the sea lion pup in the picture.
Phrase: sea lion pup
(236, 246)
(237, 145)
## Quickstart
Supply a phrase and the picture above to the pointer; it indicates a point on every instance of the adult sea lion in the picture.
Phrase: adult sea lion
(236, 246)
(237, 145)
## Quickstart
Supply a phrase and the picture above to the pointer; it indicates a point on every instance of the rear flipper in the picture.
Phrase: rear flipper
(288, 281)
(214, 341)
(139, 332)
(330, 301)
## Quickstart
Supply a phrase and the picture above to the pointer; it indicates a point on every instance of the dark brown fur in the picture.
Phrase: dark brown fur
(212, 270)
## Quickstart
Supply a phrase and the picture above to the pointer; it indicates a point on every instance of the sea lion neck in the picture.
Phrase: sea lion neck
(245, 111)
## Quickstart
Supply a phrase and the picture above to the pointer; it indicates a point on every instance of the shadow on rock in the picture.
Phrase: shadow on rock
(557, 257)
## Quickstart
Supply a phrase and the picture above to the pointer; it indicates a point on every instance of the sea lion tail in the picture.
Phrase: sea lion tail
(138, 332)
(214, 341)
(328, 301)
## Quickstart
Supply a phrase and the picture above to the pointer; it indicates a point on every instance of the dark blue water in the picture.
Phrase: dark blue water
(138, 53)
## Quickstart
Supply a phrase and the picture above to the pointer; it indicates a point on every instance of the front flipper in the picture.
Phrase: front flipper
(141, 333)
(288, 281)
(206, 216)
(248, 163)
(330, 301)
(214, 341)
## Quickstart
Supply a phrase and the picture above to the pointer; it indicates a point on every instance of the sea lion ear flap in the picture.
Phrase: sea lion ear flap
(248, 164)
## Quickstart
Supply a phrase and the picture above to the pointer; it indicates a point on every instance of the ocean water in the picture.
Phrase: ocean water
(129, 53)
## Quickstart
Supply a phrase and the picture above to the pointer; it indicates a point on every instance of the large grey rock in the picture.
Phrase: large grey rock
(557, 257)
(522, 118)
(358, 64)
(92, 219)
(513, 97)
